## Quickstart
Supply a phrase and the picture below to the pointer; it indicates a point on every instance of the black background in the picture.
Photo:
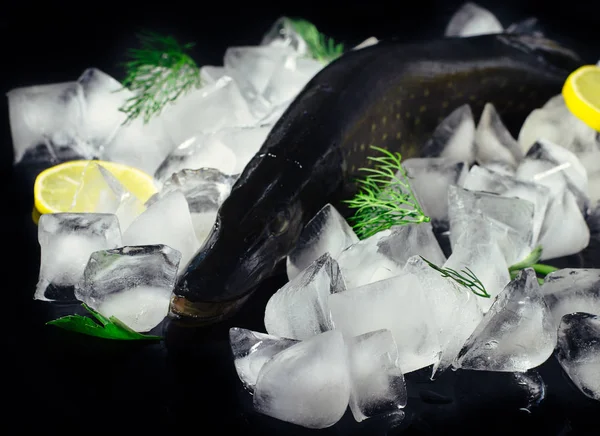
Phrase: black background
(56, 381)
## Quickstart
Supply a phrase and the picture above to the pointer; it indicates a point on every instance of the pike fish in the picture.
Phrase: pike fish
(391, 95)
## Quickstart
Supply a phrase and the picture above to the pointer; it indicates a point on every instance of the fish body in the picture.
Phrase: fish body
(391, 95)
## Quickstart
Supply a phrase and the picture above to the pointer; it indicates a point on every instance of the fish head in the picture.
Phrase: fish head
(255, 228)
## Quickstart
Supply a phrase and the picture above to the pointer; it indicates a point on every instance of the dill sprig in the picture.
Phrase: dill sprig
(322, 48)
(465, 277)
(530, 261)
(385, 198)
(158, 73)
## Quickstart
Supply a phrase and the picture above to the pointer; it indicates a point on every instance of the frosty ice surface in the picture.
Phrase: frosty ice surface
(470, 20)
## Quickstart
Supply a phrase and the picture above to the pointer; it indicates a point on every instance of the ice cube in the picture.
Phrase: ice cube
(554, 166)
(499, 167)
(283, 34)
(454, 309)
(429, 179)
(251, 350)
(396, 304)
(307, 384)
(300, 310)
(453, 139)
(591, 162)
(168, 222)
(571, 290)
(228, 150)
(133, 284)
(367, 43)
(528, 26)
(208, 109)
(326, 232)
(289, 78)
(48, 114)
(564, 231)
(482, 179)
(557, 124)
(104, 96)
(388, 250)
(210, 74)
(478, 251)
(471, 19)
(66, 241)
(101, 192)
(532, 382)
(378, 385)
(578, 351)
(493, 141)
(517, 332)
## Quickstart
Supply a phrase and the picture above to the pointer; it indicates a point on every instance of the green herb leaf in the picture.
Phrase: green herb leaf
(100, 326)
(531, 259)
(321, 47)
(385, 198)
(158, 73)
(465, 278)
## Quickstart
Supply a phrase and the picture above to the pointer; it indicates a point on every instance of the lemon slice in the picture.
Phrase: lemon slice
(582, 94)
(55, 187)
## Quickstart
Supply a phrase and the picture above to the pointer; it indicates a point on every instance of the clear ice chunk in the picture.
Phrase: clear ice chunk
(534, 385)
(571, 290)
(307, 384)
(482, 179)
(378, 385)
(326, 232)
(289, 78)
(300, 309)
(168, 222)
(454, 309)
(66, 241)
(454, 138)
(133, 284)
(578, 351)
(283, 34)
(516, 334)
(104, 96)
(210, 74)
(48, 114)
(384, 254)
(429, 179)
(251, 350)
(396, 304)
(493, 141)
(366, 43)
(470, 20)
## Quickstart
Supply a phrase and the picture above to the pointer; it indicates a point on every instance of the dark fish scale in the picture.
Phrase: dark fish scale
(327, 133)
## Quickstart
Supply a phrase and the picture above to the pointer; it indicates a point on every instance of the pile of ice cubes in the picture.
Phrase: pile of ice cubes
(355, 316)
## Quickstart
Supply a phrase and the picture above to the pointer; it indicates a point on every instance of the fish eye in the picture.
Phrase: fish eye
(279, 224)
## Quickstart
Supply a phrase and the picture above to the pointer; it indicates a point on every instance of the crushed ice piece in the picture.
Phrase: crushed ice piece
(470, 20)
(67, 240)
(493, 141)
(378, 385)
(454, 138)
(307, 384)
(167, 221)
(396, 304)
(289, 78)
(535, 387)
(251, 350)
(300, 309)
(578, 351)
(326, 232)
(133, 284)
(384, 254)
(367, 43)
(283, 34)
(517, 332)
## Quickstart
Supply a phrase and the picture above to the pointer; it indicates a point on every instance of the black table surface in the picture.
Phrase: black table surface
(54, 380)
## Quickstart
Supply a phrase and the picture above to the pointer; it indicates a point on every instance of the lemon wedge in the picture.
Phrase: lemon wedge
(55, 187)
(581, 92)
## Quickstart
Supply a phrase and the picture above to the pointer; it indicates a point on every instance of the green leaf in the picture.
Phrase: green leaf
(321, 47)
(465, 278)
(100, 326)
(531, 259)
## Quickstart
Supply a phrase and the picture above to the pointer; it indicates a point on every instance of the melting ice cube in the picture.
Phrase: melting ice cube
(454, 137)
(283, 34)
(307, 384)
(494, 142)
(578, 351)
(168, 222)
(134, 284)
(517, 332)
(67, 240)
(251, 350)
(300, 310)
(384, 254)
(396, 304)
(326, 232)
(471, 19)
(378, 385)
(289, 78)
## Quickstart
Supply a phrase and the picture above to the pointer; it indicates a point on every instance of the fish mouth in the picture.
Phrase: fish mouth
(202, 313)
